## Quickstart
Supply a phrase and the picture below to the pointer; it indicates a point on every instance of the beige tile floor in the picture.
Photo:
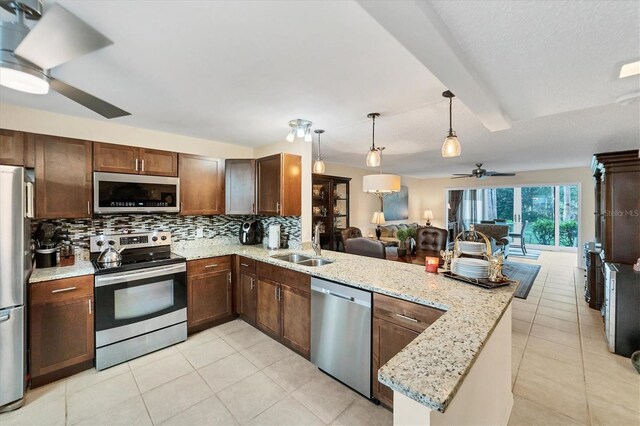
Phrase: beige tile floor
(227, 375)
(233, 374)
(563, 373)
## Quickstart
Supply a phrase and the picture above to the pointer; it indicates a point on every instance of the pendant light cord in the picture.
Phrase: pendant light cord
(319, 155)
(373, 134)
(450, 114)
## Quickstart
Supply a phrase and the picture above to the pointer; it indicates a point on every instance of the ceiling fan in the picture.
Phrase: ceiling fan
(480, 173)
(27, 55)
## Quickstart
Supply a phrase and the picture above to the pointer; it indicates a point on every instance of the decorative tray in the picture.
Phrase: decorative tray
(482, 282)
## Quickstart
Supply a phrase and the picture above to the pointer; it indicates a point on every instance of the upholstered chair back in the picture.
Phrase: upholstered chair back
(432, 238)
(365, 247)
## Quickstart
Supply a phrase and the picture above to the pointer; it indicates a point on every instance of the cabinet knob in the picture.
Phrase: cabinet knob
(278, 207)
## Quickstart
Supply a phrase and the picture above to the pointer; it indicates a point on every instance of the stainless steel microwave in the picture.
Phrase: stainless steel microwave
(123, 193)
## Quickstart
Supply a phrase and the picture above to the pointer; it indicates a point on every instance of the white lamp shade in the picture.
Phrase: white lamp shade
(292, 135)
(451, 147)
(378, 218)
(428, 214)
(381, 183)
(373, 158)
(318, 166)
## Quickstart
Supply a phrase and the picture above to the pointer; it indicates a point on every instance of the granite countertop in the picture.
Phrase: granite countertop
(81, 267)
(432, 367)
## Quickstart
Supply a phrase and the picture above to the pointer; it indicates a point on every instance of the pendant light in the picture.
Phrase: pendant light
(373, 157)
(318, 165)
(451, 146)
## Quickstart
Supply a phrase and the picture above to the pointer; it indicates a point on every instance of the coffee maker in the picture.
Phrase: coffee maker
(251, 232)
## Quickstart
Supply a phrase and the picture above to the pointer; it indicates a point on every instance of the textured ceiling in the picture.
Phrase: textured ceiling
(239, 71)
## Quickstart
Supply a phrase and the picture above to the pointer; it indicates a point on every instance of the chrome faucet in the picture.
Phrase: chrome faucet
(316, 240)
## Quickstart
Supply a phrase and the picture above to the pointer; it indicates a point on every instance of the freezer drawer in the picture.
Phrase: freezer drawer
(12, 357)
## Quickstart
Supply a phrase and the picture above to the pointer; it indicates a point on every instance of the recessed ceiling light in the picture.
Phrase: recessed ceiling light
(632, 68)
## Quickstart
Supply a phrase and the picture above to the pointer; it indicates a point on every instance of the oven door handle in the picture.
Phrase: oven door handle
(104, 280)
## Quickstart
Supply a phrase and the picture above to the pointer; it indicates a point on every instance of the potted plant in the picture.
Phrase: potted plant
(402, 235)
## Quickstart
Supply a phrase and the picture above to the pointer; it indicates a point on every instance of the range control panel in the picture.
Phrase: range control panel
(136, 239)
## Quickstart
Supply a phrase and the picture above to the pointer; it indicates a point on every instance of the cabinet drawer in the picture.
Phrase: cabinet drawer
(211, 264)
(284, 276)
(64, 289)
(407, 314)
(246, 265)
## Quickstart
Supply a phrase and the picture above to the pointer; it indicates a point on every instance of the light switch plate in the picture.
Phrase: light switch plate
(199, 232)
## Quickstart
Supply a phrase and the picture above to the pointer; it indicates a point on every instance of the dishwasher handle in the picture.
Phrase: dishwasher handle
(341, 296)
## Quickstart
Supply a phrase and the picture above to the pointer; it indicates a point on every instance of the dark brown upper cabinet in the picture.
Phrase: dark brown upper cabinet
(16, 148)
(240, 186)
(279, 179)
(130, 159)
(63, 177)
(201, 185)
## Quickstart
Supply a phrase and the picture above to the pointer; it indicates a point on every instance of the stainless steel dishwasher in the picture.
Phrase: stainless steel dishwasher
(341, 333)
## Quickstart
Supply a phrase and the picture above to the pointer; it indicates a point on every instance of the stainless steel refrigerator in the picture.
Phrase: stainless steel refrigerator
(16, 207)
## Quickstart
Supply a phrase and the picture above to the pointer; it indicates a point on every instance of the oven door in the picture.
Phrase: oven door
(136, 302)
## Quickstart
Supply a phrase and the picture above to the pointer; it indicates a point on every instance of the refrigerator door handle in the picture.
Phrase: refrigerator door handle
(5, 317)
(29, 200)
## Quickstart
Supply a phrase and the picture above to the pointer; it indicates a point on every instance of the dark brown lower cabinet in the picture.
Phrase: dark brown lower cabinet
(61, 335)
(395, 324)
(388, 340)
(246, 289)
(208, 292)
(268, 307)
(296, 319)
(248, 292)
(284, 306)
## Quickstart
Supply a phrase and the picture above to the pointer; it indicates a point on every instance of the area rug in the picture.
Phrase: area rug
(517, 252)
(524, 273)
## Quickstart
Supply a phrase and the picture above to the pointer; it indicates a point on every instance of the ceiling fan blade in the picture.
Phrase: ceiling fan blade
(59, 37)
(461, 176)
(500, 174)
(103, 108)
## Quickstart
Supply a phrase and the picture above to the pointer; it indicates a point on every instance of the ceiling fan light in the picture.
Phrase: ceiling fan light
(451, 146)
(307, 134)
(373, 158)
(22, 81)
(318, 166)
(300, 132)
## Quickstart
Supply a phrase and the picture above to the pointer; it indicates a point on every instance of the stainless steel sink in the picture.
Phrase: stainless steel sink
(315, 262)
(292, 257)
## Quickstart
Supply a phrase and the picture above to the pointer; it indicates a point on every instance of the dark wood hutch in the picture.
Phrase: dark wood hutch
(330, 207)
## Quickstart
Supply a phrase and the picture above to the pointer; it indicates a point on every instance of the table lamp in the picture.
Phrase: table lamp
(378, 219)
(428, 215)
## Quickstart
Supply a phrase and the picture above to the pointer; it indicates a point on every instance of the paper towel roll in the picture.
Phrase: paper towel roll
(274, 237)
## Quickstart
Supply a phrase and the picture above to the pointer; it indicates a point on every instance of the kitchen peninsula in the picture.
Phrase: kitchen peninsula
(456, 371)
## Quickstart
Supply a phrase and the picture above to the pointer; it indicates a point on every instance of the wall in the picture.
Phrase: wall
(362, 205)
(430, 194)
(36, 121)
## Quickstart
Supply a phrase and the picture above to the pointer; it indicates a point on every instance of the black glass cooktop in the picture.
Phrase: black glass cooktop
(135, 261)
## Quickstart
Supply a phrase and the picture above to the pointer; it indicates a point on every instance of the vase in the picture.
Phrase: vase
(635, 360)
(402, 251)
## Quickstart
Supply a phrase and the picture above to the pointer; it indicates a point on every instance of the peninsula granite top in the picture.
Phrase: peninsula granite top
(433, 366)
